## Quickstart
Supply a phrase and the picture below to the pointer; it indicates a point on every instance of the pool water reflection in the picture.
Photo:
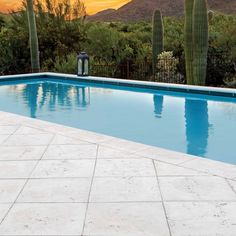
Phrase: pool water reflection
(195, 124)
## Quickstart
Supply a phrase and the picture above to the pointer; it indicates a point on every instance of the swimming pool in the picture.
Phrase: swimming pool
(197, 124)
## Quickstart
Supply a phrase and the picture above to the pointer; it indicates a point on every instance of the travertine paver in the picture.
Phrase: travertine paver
(212, 167)
(44, 219)
(124, 167)
(17, 153)
(3, 210)
(8, 129)
(3, 138)
(165, 155)
(202, 218)
(64, 168)
(16, 169)
(30, 139)
(71, 152)
(125, 189)
(164, 169)
(196, 188)
(131, 219)
(57, 180)
(10, 188)
(110, 153)
(56, 190)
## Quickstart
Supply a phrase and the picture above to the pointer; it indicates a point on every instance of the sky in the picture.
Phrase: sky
(92, 6)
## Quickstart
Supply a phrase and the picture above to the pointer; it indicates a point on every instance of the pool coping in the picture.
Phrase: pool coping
(224, 92)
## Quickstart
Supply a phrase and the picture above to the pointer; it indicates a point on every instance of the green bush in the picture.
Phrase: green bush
(66, 65)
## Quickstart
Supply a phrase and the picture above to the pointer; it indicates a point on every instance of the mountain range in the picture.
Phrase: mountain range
(138, 10)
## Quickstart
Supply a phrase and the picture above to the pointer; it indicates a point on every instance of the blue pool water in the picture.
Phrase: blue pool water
(196, 124)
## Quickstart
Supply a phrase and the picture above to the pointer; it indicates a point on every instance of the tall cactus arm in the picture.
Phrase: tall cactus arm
(157, 37)
(33, 38)
(188, 38)
(200, 40)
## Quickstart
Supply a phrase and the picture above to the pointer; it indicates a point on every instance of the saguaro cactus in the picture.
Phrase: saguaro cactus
(157, 37)
(188, 37)
(200, 41)
(33, 38)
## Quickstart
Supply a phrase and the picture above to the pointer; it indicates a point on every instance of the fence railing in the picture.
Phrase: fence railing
(167, 70)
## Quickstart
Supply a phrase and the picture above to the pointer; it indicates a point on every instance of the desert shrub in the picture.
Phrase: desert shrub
(167, 70)
(66, 65)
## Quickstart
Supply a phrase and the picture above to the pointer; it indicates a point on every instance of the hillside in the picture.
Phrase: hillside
(142, 9)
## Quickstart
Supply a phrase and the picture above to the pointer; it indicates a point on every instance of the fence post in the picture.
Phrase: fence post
(127, 68)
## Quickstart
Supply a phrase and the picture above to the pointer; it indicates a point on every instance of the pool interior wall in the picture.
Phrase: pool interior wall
(175, 117)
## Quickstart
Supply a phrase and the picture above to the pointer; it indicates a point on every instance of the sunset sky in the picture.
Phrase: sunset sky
(92, 6)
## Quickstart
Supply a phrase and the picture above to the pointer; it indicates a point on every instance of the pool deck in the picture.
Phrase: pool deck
(58, 180)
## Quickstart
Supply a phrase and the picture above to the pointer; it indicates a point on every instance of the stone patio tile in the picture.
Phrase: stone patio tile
(10, 119)
(126, 219)
(3, 138)
(164, 155)
(64, 168)
(71, 152)
(125, 189)
(56, 190)
(9, 190)
(16, 169)
(232, 184)
(202, 218)
(29, 130)
(44, 219)
(124, 167)
(125, 145)
(21, 152)
(110, 153)
(165, 169)
(64, 140)
(195, 188)
(87, 136)
(30, 139)
(212, 167)
(47, 126)
(8, 129)
(3, 210)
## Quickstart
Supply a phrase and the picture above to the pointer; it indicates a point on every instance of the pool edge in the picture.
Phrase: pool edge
(223, 92)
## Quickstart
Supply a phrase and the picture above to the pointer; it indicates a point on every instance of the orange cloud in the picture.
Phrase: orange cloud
(92, 6)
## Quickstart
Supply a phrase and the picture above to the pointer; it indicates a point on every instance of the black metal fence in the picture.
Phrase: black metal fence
(167, 70)
(219, 69)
